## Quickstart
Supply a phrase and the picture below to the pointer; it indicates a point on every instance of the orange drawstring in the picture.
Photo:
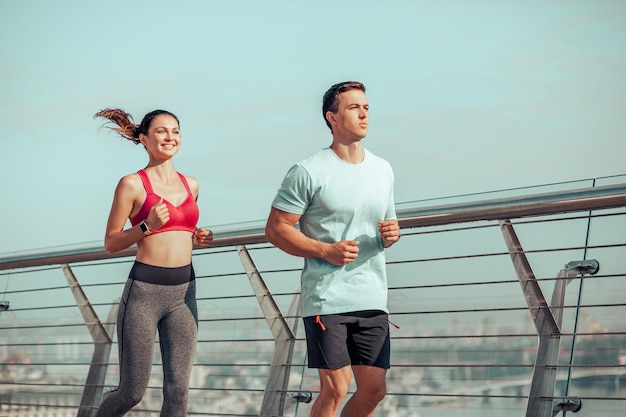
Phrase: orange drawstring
(318, 320)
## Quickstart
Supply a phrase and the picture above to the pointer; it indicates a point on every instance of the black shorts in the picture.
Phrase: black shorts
(357, 338)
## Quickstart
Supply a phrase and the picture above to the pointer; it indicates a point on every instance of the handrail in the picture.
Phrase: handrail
(277, 395)
(592, 198)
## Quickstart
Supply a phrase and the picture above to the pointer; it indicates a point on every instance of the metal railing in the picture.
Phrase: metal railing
(468, 340)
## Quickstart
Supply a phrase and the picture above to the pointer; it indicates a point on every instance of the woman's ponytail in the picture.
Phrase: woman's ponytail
(127, 128)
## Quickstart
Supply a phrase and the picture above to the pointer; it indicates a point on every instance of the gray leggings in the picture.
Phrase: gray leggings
(145, 308)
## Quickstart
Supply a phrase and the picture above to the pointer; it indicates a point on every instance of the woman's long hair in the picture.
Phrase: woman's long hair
(126, 127)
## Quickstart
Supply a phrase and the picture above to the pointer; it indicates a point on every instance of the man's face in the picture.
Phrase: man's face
(350, 121)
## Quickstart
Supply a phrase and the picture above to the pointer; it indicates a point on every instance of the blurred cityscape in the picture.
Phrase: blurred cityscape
(429, 370)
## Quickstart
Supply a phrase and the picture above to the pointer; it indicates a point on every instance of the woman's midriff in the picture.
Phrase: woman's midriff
(168, 249)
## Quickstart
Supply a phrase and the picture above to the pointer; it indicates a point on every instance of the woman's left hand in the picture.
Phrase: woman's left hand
(203, 237)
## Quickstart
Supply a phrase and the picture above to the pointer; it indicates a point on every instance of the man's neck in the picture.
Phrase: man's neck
(352, 153)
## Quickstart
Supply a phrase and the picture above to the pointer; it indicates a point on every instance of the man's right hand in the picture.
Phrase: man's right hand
(342, 252)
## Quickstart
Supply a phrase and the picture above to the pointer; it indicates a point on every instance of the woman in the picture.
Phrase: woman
(159, 294)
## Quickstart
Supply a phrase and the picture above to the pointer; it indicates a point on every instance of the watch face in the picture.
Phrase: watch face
(144, 227)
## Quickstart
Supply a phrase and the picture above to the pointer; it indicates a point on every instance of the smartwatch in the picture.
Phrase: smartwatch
(144, 228)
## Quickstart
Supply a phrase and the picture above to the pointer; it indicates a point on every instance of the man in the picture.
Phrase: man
(342, 198)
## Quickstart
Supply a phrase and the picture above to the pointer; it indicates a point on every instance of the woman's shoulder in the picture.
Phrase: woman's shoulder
(188, 177)
(130, 182)
(131, 179)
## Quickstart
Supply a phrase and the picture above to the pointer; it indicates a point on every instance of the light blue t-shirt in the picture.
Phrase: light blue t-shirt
(341, 201)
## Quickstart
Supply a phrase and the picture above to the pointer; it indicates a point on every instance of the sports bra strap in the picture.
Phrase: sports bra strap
(184, 180)
(146, 181)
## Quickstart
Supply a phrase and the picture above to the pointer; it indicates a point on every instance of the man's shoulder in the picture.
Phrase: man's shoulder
(375, 158)
(319, 154)
(315, 159)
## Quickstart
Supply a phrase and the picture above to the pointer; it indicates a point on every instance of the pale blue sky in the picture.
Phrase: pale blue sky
(465, 96)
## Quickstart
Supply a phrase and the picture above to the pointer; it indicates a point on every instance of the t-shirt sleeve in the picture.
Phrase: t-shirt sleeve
(295, 192)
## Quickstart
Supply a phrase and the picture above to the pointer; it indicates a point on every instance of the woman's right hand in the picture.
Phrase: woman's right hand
(158, 215)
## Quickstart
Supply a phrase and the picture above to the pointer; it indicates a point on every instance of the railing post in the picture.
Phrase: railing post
(565, 276)
(102, 337)
(547, 321)
(284, 332)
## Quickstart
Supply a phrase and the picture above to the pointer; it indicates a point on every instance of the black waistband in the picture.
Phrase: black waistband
(162, 275)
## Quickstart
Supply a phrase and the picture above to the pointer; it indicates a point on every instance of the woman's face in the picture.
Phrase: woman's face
(163, 138)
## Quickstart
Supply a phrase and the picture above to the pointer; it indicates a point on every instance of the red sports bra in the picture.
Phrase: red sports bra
(182, 217)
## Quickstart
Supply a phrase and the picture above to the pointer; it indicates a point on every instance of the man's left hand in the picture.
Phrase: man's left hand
(389, 232)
